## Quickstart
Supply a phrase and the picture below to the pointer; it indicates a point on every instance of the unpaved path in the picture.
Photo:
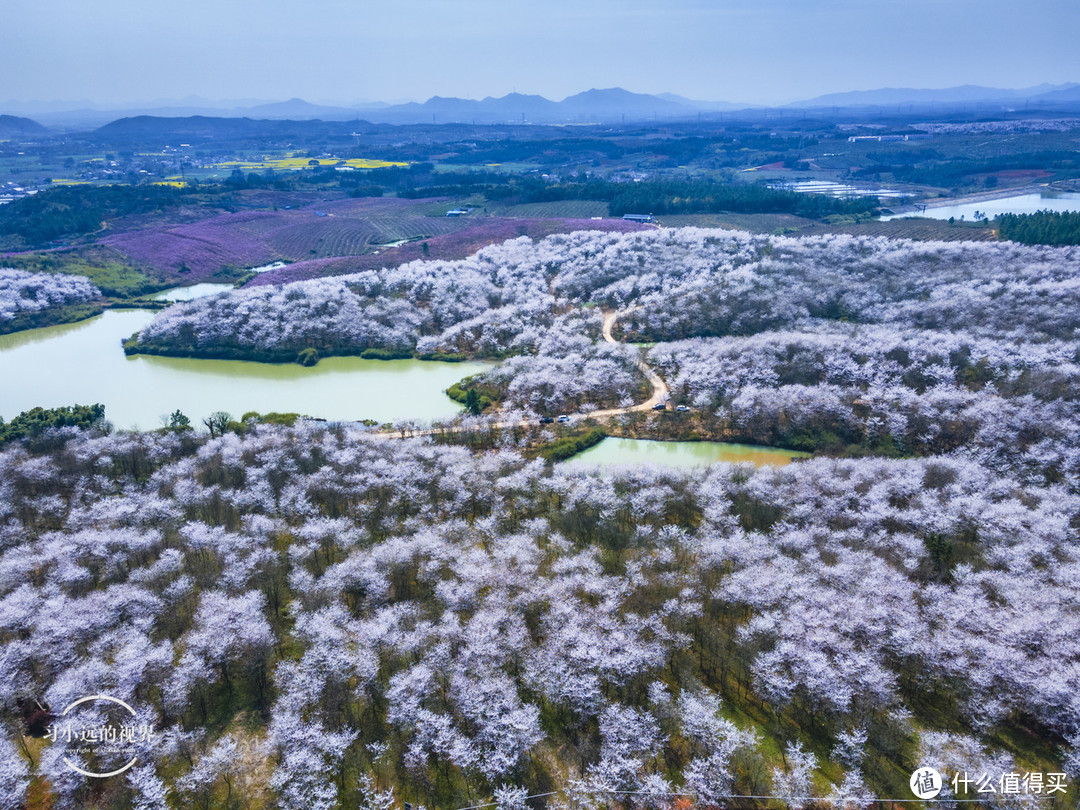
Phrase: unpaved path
(659, 393)
(659, 387)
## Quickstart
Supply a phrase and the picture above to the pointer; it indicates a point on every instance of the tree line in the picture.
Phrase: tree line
(36, 421)
(77, 210)
(664, 196)
(1041, 228)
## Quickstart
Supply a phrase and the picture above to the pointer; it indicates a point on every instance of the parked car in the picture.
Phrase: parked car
(659, 406)
(681, 408)
(564, 418)
(546, 420)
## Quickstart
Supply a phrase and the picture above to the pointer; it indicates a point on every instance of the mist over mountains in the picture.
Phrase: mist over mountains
(594, 106)
(964, 94)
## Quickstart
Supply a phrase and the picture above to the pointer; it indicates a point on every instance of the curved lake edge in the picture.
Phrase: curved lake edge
(85, 362)
(244, 354)
(1025, 200)
(153, 301)
(615, 451)
(53, 316)
(158, 295)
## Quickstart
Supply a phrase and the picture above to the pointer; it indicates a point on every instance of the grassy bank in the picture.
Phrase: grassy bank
(568, 446)
(309, 356)
(54, 316)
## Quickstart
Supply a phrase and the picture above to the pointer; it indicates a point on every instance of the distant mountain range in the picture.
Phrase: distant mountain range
(961, 95)
(205, 127)
(613, 105)
(593, 106)
(965, 94)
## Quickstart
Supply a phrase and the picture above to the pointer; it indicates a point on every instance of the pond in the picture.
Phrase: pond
(266, 268)
(1016, 204)
(192, 292)
(83, 363)
(834, 189)
(612, 451)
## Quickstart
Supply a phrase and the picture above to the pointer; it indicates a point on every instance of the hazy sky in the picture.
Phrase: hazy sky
(769, 51)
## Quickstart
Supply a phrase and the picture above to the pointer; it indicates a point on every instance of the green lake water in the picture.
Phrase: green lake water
(83, 363)
(612, 451)
(192, 292)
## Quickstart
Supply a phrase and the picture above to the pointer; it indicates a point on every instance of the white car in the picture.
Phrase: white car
(563, 418)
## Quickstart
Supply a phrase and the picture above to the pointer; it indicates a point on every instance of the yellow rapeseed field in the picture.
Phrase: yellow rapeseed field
(295, 163)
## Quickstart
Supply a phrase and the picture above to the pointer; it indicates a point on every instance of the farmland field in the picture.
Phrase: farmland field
(319, 236)
(475, 234)
(758, 223)
(197, 250)
(350, 236)
(573, 209)
(297, 163)
(200, 249)
(920, 229)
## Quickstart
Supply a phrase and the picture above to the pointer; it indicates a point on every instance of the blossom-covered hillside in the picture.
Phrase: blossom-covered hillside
(820, 343)
(312, 617)
(328, 616)
(686, 283)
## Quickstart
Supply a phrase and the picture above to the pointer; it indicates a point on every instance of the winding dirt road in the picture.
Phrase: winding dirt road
(659, 387)
(659, 393)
